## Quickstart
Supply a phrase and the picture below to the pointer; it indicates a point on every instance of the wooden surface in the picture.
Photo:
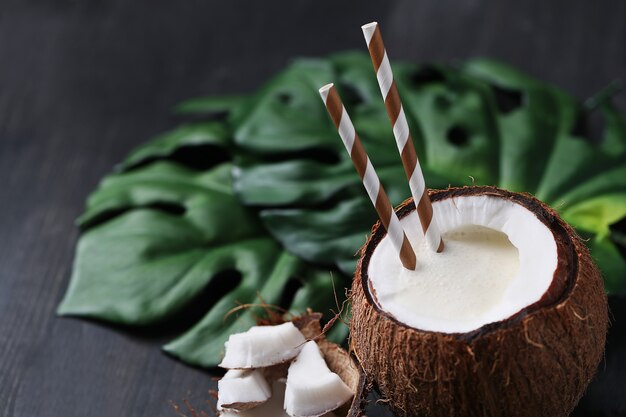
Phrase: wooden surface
(83, 82)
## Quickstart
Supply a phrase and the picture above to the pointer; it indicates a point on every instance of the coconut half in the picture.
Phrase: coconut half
(499, 258)
(240, 390)
(313, 389)
(509, 320)
(262, 346)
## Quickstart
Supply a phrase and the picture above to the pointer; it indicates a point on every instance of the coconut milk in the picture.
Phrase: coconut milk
(462, 283)
(465, 280)
(498, 258)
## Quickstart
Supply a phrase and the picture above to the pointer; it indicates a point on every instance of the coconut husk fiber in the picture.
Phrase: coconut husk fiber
(536, 363)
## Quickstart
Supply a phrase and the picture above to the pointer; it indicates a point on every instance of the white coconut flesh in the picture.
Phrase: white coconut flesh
(242, 389)
(262, 346)
(272, 408)
(313, 389)
(498, 259)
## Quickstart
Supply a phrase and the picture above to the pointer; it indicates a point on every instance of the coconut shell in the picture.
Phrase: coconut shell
(339, 361)
(536, 363)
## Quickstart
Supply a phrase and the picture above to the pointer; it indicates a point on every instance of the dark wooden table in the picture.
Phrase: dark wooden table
(83, 82)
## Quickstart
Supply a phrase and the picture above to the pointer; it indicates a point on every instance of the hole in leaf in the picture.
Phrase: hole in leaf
(596, 125)
(201, 157)
(458, 136)
(321, 155)
(103, 217)
(350, 95)
(618, 235)
(442, 102)
(284, 98)
(196, 157)
(579, 129)
(427, 74)
(507, 100)
(170, 208)
(590, 125)
(619, 226)
(221, 284)
(289, 292)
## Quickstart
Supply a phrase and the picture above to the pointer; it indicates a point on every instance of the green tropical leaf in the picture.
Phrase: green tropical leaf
(480, 123)
(174, 232)
(213, 135)
(256, 199)
(229, 109)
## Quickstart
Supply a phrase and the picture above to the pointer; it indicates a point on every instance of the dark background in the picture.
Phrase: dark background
(83, 82)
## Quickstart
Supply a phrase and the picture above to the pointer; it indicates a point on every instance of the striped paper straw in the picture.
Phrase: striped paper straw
(403, 136)
(367, 173)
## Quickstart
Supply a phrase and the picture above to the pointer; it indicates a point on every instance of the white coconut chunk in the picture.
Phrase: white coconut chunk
(271, 408)
(242, 389)
(262, 346)
(312, 389)
(498, 259)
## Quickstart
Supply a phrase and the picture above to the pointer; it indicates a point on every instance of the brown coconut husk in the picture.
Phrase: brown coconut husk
(536, 363)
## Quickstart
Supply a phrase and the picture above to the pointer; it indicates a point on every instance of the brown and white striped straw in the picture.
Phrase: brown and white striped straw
(401, 132)
(366, 171)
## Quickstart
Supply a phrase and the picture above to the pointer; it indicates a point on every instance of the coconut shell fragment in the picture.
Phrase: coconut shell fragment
(534, 363)
(340, 362)
(312, 389)
(348, 380)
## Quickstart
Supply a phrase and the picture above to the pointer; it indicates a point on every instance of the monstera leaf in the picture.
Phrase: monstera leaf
(256, 200)
(483, 123)
(156, 236)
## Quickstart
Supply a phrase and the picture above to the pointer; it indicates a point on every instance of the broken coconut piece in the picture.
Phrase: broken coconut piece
(262, 346)
(271, 408)
(337, 360)
(509, 320)
(240, 390)
(312, 389)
